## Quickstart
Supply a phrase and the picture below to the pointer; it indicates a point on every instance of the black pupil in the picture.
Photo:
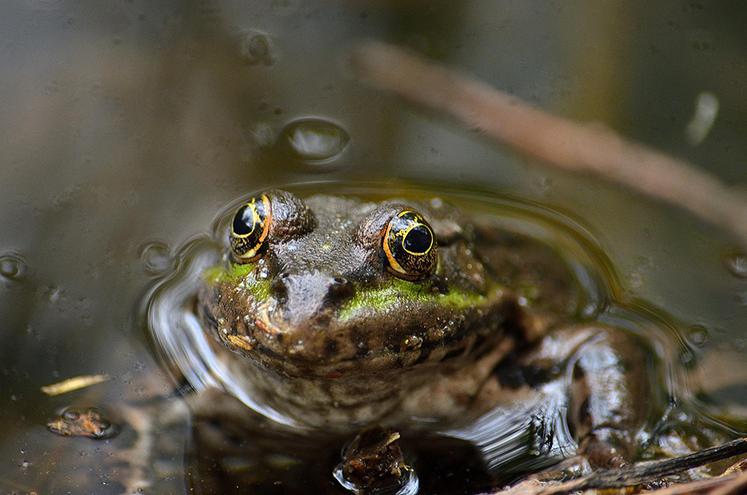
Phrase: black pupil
(418, 240)
(243, 221)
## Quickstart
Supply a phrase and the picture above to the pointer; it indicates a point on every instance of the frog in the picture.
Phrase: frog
(340, 313)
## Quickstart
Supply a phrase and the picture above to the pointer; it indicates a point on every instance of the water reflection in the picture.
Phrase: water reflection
(525, 437)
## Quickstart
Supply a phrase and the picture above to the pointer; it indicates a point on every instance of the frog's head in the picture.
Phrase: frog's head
(334, 287)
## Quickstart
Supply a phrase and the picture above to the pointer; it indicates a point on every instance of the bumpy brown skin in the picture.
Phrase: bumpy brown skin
(303, 351)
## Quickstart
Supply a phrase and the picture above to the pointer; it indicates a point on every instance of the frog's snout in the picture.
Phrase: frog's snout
(302, 296)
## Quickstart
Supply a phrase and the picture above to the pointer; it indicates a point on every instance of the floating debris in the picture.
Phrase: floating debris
(373, 462)
(87, 422)
(75, 383)
(241, 341)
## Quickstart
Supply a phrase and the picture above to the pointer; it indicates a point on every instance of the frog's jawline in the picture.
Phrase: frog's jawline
(358, 344)
(344, 395)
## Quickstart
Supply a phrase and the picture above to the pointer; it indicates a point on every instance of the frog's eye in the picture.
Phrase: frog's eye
(251, 223)
(409, 246)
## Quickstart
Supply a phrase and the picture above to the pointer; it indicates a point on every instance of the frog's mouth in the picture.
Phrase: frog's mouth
(377, 331)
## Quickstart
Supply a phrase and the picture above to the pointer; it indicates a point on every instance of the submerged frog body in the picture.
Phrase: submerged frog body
(340, 314)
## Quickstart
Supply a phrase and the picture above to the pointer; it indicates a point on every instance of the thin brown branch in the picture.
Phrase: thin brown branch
(556, 141)
(733, 487)
(650, 472)
(705, 486)
(646, 472)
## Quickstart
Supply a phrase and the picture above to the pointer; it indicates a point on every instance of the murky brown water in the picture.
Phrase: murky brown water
(126, 129)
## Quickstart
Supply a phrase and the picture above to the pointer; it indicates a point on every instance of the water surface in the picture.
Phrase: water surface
(126, 128)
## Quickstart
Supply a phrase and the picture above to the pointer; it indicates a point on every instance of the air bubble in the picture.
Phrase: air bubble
(313, 140)
(697, 335)
(256, 49)
(12, 267)
(156, 257)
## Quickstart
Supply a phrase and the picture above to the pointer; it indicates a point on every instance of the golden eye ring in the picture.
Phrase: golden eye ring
(249, 229)
(409, 246)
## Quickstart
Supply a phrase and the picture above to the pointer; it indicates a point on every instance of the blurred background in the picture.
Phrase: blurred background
(126, 126)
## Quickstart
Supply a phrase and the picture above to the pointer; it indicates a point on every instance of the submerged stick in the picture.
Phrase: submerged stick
(558, 142)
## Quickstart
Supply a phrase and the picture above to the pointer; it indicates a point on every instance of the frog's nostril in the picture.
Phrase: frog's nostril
(301, 296)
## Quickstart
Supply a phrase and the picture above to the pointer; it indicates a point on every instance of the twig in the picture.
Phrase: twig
(648, 472)
(705, 486)
(734, 487)
(651, 471)
(72, 384)
(558, 142)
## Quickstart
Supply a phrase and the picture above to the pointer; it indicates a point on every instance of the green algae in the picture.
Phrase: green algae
(375, 299)
(239, 275)
(382, 298)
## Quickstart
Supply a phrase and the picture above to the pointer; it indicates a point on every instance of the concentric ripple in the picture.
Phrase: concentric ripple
(180, 338)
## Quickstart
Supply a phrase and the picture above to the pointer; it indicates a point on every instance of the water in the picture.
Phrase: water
(131, 123)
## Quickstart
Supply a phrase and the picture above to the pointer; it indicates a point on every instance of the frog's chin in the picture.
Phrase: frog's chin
(330, 348)
(347, 395)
